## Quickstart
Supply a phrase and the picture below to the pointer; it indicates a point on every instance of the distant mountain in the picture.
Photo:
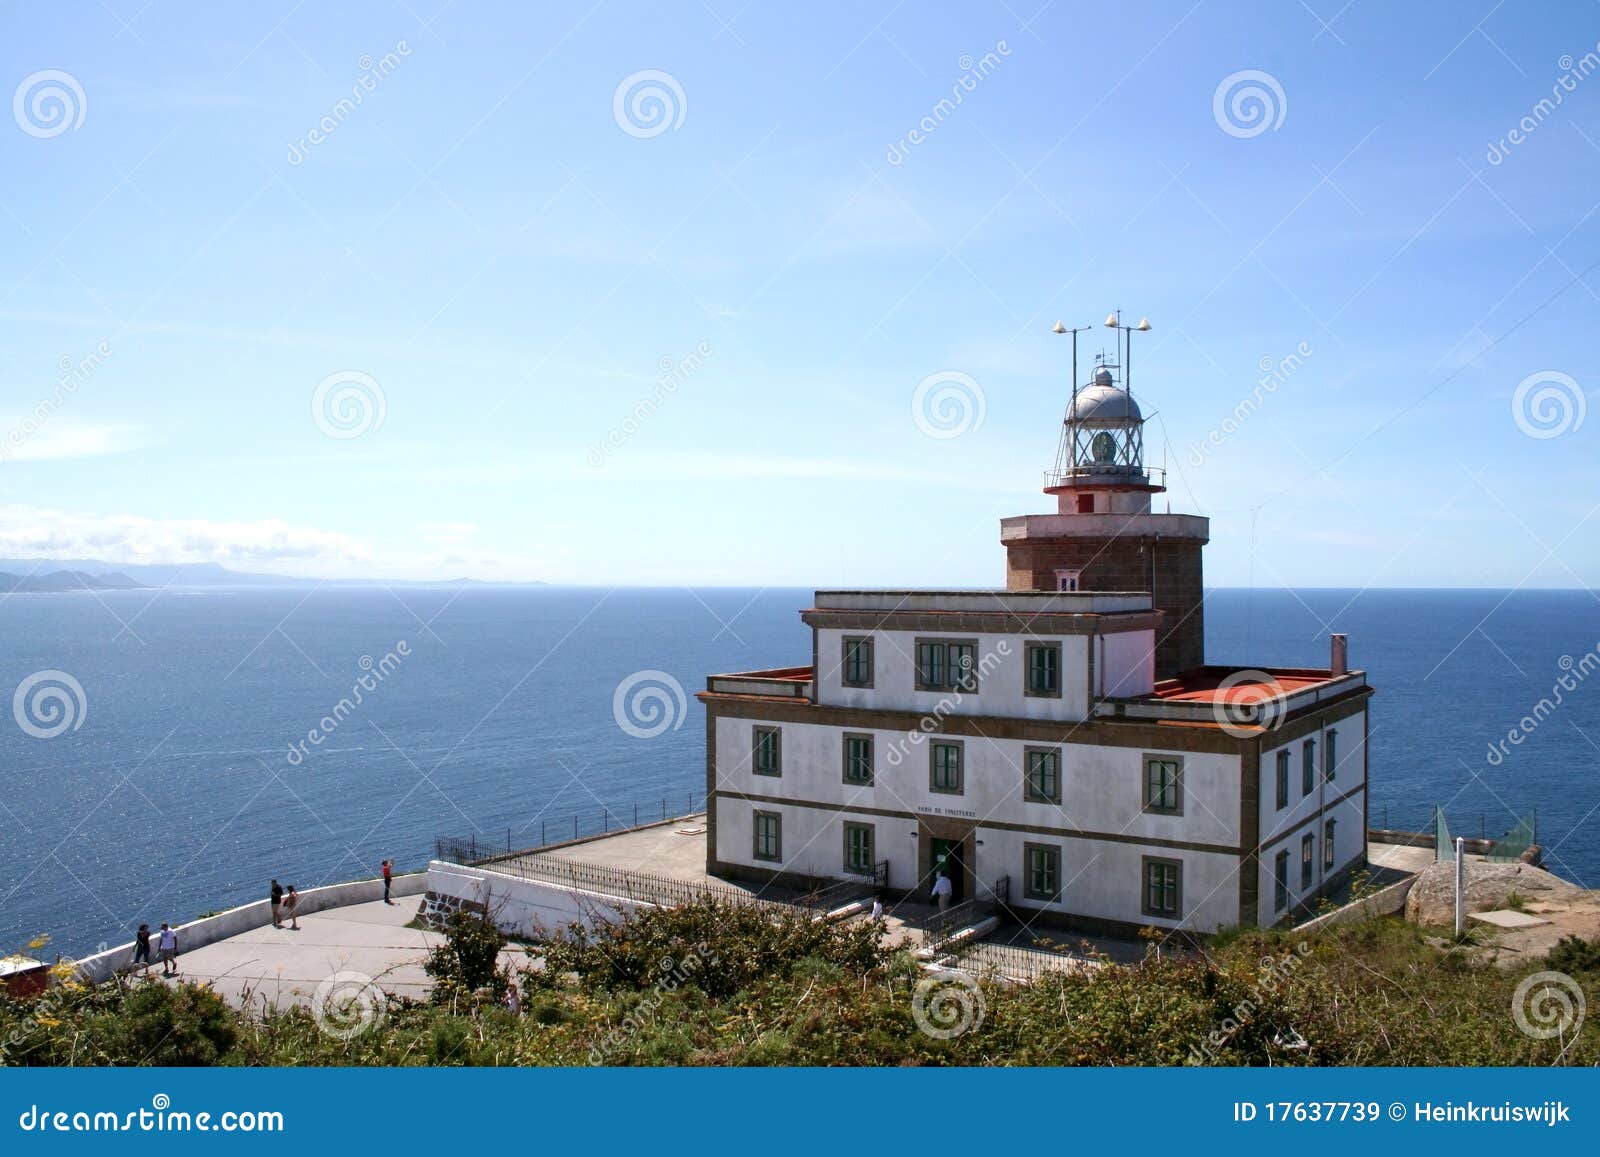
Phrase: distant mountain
(126, 576)
(65, 580)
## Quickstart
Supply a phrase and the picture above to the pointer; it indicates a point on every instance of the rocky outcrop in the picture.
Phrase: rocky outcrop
(1489, 885)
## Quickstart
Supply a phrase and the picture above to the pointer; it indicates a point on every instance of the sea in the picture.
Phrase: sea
(172, 751)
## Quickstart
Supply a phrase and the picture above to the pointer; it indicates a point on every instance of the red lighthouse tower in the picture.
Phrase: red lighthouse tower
(1103, 536)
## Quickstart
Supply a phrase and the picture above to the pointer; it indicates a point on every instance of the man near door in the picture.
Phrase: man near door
(942, 890)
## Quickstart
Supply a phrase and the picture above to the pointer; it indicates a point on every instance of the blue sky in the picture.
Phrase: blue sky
(483, 243)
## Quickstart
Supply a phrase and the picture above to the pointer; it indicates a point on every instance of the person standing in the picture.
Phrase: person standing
(388, 879)
(141, 946)
(277, 904)
(291, 901)
(167, 947)
(942, 890)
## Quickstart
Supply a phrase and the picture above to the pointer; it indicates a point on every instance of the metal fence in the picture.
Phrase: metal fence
(940, 926)
(481, 847)
(1015, 962)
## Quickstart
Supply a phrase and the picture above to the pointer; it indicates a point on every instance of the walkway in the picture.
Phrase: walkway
(283, 967)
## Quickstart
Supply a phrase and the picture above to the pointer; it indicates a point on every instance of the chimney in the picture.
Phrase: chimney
(1339, 661)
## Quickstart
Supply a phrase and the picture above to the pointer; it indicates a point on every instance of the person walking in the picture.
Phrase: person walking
(388, 879)
(167, 947)
(291, 901)
(141, 947)
(942, 890)
(277, 904)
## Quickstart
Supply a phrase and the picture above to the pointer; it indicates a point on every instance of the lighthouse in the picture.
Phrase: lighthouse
(1104, 536)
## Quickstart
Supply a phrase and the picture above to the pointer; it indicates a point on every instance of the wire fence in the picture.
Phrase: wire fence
(555, 830)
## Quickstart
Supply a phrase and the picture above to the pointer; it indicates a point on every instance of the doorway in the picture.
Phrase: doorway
(945, 856)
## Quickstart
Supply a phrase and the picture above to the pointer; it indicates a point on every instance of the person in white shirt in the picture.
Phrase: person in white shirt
(942, 890)
(167, 948)
(877, 909)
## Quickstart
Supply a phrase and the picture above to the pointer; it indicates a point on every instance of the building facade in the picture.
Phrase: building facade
(1060, 745)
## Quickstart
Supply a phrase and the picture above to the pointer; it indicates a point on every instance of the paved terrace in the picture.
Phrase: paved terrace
(284, 967)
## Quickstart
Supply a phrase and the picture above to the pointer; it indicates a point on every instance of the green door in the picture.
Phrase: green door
(945, 856)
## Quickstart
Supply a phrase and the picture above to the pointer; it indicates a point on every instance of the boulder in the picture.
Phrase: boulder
(1433, 898)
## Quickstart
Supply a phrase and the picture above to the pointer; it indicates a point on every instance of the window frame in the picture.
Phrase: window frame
(944, 642)
(1052, 852)
(1281, 892)
(1308, 860)
(960, 749)
(1330, 757)
(1028, 793)
(1148, 862)
(1328, 848)
(757, 732)
(1029, 649)
(845, 741)
(1284, 760)
(871, 866)
(776, 818)
(1308, 766)
(848, 643)
(1150, 806)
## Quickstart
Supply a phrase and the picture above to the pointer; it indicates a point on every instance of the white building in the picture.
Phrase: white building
(1060, 745)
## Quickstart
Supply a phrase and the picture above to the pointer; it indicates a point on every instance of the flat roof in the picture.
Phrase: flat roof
(1225, 687)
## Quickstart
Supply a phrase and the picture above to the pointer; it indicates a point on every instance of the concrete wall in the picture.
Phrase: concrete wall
(524, 907)
(102, 966)
(1383, 902)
